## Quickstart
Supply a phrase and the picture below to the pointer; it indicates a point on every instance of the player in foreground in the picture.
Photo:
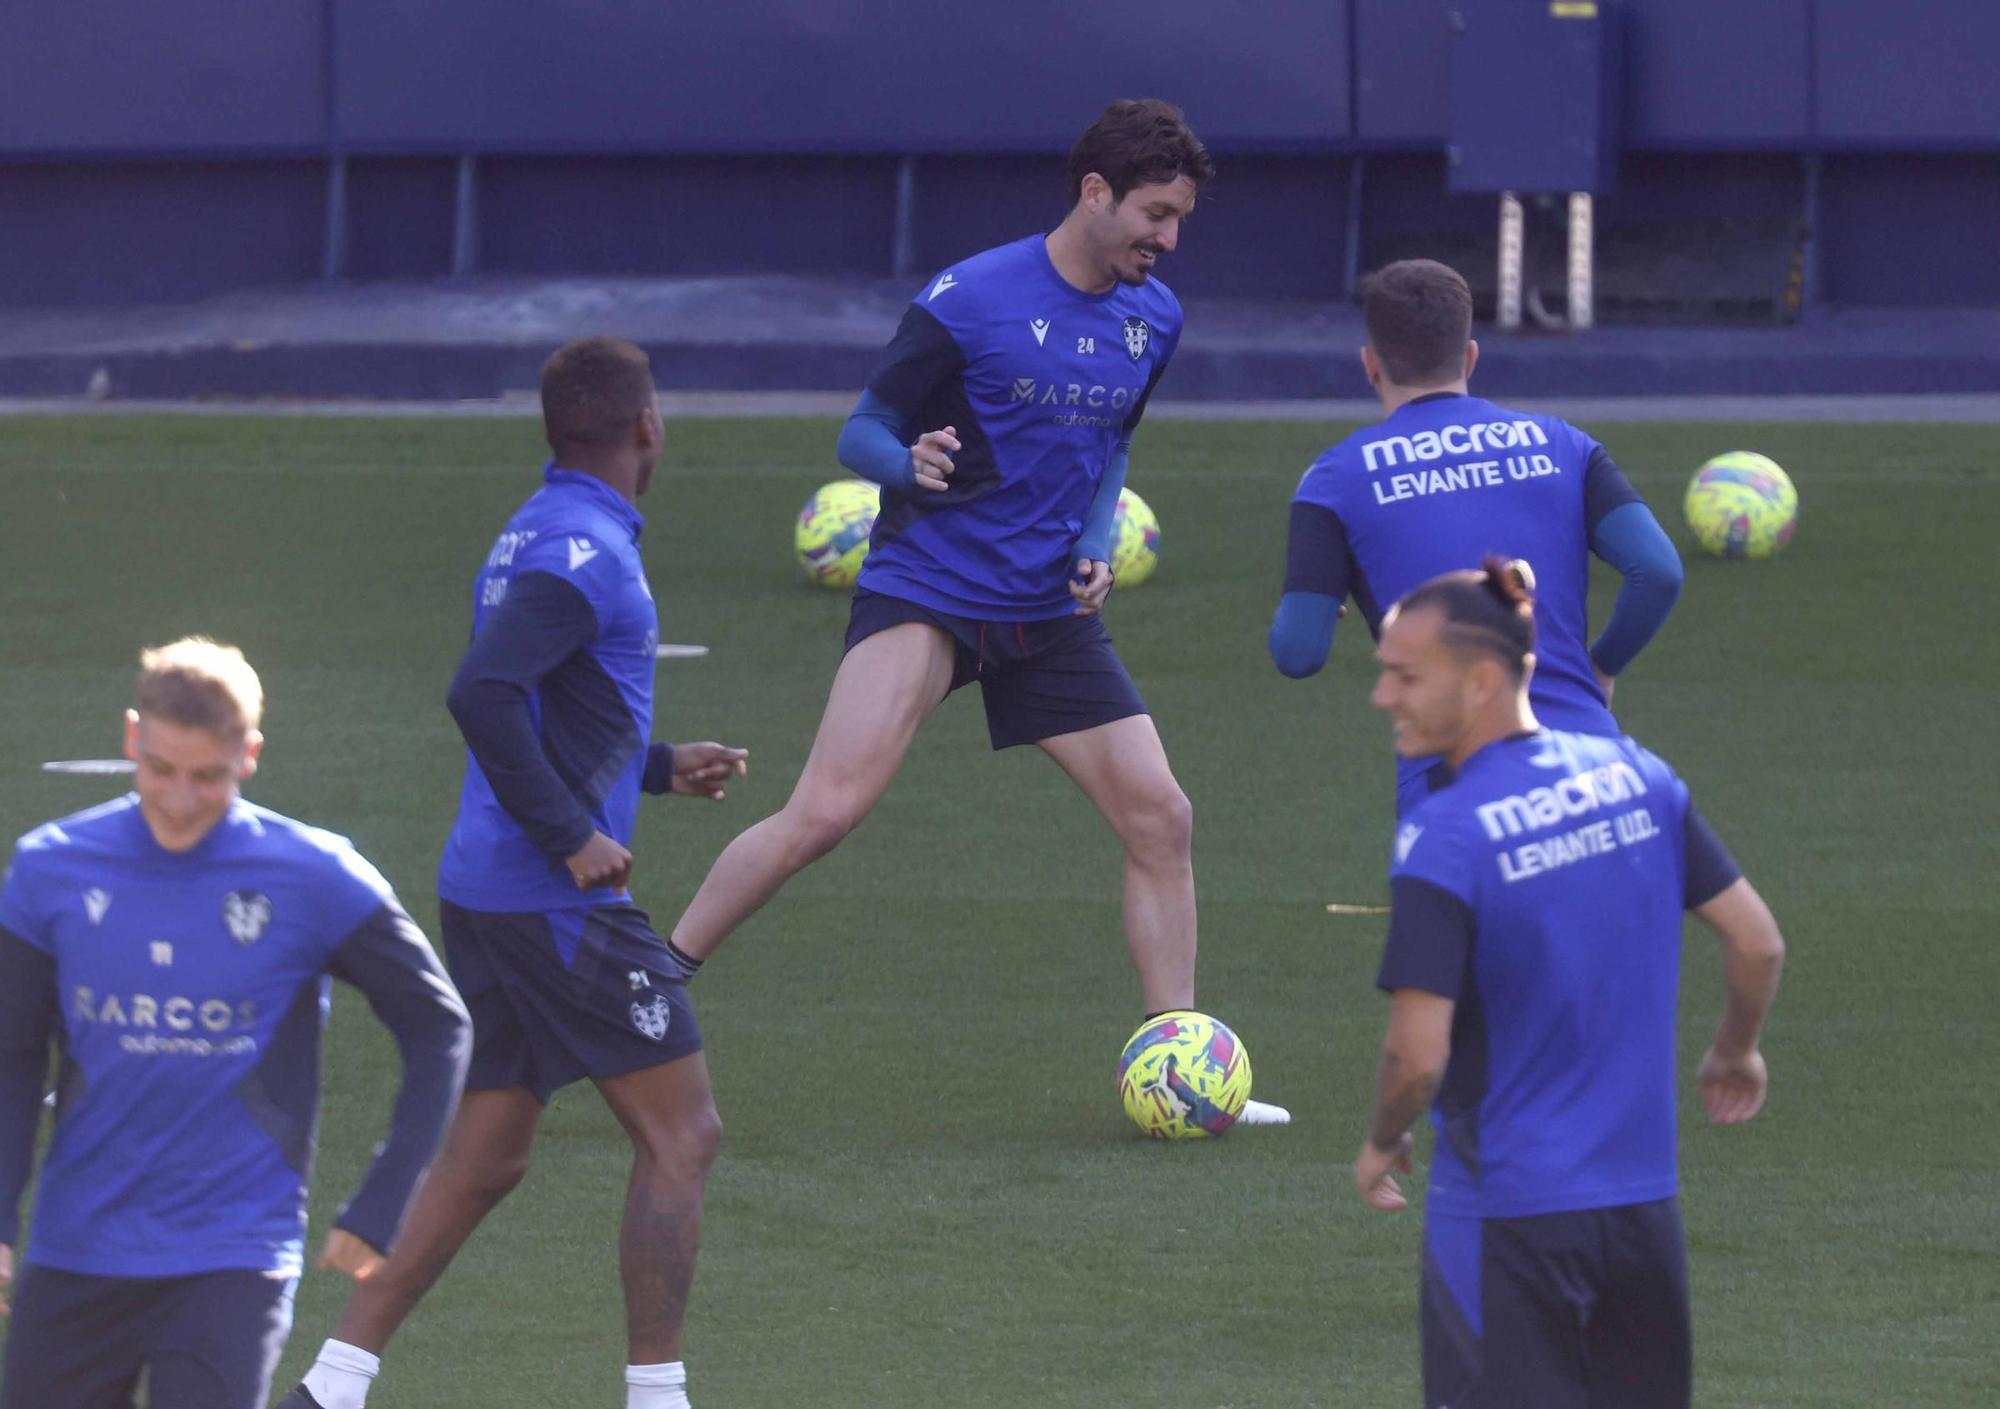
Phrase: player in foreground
(1446, 478)
(1532, 963)
(999, 423)
(564, 975)
(174, 946)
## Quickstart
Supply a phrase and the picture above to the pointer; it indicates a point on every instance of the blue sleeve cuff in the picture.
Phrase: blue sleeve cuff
(1632, 541)
(1094, 542)
(871, 444)
(1302, 632)
(659, 774)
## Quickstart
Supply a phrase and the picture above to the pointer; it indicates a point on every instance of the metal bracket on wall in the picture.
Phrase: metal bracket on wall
(903, 248)
(333, 251)
(465, 220)
(1357, 190)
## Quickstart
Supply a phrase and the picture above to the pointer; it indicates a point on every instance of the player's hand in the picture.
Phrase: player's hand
(1606, 683)
(1374, 1177)
(1733, 1087)
(346, 1253)
(931, 456)
(6, 1277)
(602, 862)
(1093, 588)
(702, 770)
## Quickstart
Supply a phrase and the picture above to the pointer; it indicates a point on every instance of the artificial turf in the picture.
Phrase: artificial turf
(927, 1194)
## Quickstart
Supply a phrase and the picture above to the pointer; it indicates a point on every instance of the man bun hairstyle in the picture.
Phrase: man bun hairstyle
(1138, 142)
(592, 391)
(200, 684)
(1491, 610)
(1419, 316)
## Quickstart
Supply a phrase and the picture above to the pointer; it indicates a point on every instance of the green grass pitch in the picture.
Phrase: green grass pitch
(928, 1195)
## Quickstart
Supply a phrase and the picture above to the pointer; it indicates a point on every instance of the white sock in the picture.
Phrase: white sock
(656, 1386)
(339, 1379)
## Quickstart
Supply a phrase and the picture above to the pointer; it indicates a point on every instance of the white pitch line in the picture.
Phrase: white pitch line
(89, 765)
(1339, 908)
(669, 651)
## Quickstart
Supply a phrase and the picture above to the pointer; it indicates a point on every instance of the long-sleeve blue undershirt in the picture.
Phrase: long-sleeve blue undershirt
(543, 622)
(1629, 538)
(1632, 541)
(871, 444)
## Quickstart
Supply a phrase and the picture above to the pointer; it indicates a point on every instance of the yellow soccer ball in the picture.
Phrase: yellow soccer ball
(831, 538)
(1135, 541)
(1183, 1076)
(1741, 505)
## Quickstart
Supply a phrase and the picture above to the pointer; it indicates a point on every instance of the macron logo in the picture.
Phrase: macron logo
(580, 552)
(1040, 328)
(945, 281)
(1406, 840)
(95, 903)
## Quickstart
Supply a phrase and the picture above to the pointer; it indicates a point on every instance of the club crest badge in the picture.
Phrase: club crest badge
(654, 1018)
(1137, 335)
(247, 914)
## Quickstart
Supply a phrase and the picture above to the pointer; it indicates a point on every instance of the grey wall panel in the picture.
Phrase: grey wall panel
(1717, 73)
(829, 74)
(137, 76)
(1909, 73)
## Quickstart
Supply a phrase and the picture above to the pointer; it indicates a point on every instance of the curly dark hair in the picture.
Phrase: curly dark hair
(1138, 142)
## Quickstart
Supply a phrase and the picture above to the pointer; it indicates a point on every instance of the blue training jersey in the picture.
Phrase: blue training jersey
(1542, 890)
(1042, 382)
(186, 993)
(1446, 480)
(564, 626)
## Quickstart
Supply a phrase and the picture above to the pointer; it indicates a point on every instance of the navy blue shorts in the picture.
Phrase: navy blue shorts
(560, 995)
(1039, 678)
(1585, 1310)
(206, 1341)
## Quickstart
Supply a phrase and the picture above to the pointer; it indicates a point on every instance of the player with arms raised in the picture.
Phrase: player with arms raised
(999, 423)
(1447, 478)
(174, 945)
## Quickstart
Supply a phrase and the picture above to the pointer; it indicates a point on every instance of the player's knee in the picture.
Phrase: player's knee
(819, 824)
(494, 1176)
(684, 1145)
(1160, 828)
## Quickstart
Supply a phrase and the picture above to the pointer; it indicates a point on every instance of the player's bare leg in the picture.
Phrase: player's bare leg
(886, 687)
(485, 1154)
(669, 1113)
(1122, 768)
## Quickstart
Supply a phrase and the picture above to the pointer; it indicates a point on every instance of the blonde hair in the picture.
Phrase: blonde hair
(200, 684)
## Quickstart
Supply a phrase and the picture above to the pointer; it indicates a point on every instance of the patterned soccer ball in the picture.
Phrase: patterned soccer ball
(1741, 505)
(831, 538)
(1135, 541)
(1183, 1076)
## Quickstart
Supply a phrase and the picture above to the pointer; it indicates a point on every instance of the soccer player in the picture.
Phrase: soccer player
(1446, 478)
(174, 945)
(998, 423)
(564, 975)
(1532, 963)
